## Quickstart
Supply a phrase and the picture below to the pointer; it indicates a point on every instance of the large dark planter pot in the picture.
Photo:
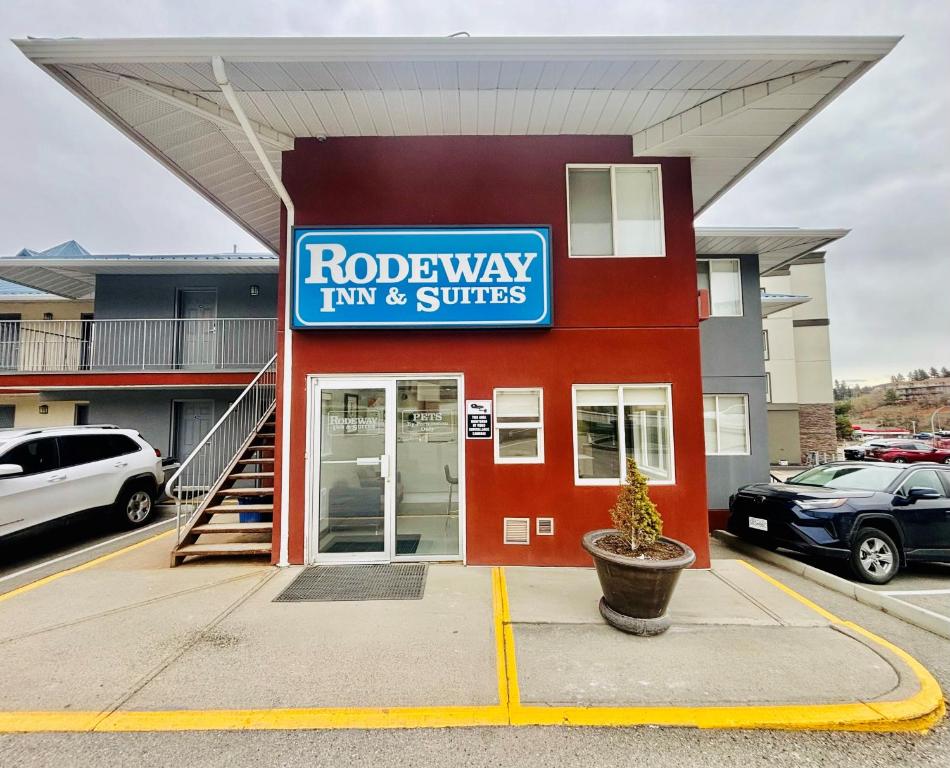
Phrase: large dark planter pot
(636, 592)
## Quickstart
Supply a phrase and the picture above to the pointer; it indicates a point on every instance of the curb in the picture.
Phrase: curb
(912, 614)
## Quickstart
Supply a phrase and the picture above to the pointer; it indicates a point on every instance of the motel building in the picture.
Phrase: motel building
(489, 288)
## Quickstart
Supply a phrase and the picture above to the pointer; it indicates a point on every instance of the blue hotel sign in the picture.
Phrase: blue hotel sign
(483, 277)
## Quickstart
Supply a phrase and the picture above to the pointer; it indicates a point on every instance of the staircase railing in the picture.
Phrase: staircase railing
(198, 473)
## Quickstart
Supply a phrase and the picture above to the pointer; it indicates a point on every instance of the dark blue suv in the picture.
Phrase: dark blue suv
(877, 516)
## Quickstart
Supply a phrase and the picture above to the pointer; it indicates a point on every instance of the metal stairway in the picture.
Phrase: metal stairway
(230, 474)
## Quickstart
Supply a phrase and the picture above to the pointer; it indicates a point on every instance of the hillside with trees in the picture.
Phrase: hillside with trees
(882, 406)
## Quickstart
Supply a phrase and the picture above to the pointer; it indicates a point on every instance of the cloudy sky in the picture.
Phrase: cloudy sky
(876, 161)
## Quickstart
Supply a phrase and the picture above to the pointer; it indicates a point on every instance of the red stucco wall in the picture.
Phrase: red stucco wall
(615, 321)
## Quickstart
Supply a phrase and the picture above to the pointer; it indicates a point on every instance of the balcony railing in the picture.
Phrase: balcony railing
(71, 346)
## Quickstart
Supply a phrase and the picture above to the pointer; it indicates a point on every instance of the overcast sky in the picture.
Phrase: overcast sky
(876, 161)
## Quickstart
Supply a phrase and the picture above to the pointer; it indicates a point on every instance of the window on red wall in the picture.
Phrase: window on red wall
(615, 211)
(615, 422)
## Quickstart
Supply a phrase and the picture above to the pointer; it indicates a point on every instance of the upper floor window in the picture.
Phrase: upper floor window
(615, 211)
(722, 278)
(765, 343)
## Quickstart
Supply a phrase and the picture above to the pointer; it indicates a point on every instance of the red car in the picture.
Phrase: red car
(908, 452)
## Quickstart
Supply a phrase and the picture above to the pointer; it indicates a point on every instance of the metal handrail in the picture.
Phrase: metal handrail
(202, 468)
(135, 344)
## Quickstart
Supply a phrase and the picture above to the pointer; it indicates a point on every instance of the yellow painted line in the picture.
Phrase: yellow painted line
(498, 614)
(503, 621)
(916, 713)
(82, 567)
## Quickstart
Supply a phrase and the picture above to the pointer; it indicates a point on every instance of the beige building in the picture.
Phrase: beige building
(25, 317)
(797, 350)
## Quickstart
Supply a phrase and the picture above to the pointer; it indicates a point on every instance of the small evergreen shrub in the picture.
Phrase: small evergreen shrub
(634, 515)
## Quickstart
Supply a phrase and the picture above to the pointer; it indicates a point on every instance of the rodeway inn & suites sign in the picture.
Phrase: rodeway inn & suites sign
(422, 277)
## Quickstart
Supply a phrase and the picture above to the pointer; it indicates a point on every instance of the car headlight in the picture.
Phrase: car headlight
(820, 503)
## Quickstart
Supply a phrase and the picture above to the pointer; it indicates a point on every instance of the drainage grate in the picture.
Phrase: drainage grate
(393, 581)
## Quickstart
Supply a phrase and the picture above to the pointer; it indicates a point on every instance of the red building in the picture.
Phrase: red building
(611, 145)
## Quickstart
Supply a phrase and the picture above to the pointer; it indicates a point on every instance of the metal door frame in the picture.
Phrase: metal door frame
(316, 383)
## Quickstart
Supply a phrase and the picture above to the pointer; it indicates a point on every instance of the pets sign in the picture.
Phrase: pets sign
(481, 277)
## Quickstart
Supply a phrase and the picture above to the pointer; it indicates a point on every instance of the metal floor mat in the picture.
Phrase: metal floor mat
(326, 583)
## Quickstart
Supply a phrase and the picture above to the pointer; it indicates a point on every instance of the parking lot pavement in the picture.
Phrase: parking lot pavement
(139, 646)
(64, 544)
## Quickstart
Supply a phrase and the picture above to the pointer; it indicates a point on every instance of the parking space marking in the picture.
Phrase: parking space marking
(919, 712)
(83, 551)
(81, 567)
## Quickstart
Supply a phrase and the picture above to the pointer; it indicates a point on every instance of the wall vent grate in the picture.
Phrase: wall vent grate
(544, 526)
(517, 530)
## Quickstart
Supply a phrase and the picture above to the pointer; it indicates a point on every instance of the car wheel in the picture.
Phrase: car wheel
(874, 556)
(947, 460)
(134, 507)
(899, 460)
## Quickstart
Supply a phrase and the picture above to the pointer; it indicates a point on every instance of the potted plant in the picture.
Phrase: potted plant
(638, 567)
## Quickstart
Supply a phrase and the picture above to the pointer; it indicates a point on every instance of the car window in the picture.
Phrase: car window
(84, 449)
(34, 456)
(849, 477)
(923, 478)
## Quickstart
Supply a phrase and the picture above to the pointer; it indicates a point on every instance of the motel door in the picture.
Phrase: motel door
(385, 474)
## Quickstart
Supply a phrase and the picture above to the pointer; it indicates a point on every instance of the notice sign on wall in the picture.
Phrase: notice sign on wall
(478, 419)
(422, 277)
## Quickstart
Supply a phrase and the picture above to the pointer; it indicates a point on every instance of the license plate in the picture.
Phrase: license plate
(758, 524)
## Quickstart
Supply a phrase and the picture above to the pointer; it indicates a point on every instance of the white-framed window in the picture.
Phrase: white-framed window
(722, 278)
(726, 425)
(768, 387)
(615, 211)
(519, 425)
(765, 343)
(614, 421)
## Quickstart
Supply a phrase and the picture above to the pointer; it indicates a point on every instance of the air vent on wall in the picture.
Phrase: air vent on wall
(517, 530)
(544, 526)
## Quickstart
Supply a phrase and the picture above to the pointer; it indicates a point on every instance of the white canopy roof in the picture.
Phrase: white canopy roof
(777, 302)
(776, 247)
(726, 102)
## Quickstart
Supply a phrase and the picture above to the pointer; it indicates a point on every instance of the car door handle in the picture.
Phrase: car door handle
(121, 464)
(55, 478)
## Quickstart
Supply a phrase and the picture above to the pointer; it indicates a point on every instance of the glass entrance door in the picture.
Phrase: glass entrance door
(355, 478)
(389, 480)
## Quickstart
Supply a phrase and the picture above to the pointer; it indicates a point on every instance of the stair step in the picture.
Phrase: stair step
(231, 548)
(258, 460)
(245, 492)
(252, 448)
(266, 434)
(249, 475)
(221, 508)
(233, 528)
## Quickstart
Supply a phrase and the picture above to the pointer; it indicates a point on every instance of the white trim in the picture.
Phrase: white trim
(805, 48)
(538, 426)
(621, 432)
(748, 427)
(612, 169)
(315, 385)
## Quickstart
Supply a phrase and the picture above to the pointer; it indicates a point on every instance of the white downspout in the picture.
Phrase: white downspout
(220, 74)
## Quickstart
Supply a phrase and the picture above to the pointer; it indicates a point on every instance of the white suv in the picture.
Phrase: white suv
(50, 473)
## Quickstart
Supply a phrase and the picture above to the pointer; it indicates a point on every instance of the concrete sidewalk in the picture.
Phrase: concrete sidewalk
(129, 644)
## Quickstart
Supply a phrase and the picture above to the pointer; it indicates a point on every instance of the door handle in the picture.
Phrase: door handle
(55, 478)
(384, 467)
(121, 464)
